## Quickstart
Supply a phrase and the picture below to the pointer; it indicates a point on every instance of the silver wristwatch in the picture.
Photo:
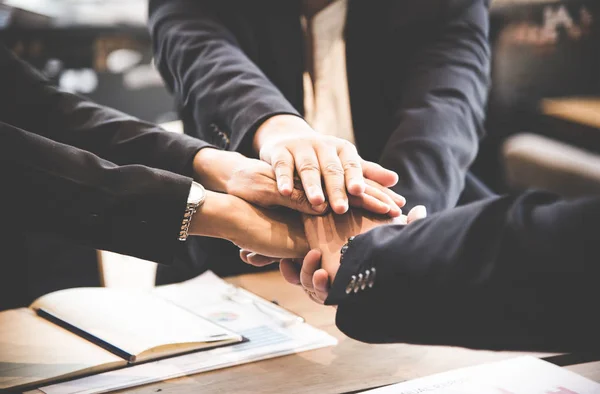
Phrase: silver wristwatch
(195, 200)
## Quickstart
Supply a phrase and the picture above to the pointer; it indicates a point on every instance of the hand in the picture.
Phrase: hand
(318, 270)
(292, 267)
(290, 145)
(249, 179)
(254, 181)
(329, 232)
(265, 231)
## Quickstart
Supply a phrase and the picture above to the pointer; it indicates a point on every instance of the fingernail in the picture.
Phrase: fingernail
(342, 204)
(421, 212)
(357, 187)
(315, 195)
(283, 185)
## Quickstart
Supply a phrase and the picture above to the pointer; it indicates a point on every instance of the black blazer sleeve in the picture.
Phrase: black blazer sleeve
(28, 101)
(505, 273)
(438, 102)
(222, 90)
(57, 188)
(50, 143)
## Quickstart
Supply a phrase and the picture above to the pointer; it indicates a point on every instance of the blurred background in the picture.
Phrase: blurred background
(543, 127)
(100, 49)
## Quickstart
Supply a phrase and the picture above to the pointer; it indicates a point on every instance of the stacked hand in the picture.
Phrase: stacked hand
(306, 172)
(326, 236)
(290, 146)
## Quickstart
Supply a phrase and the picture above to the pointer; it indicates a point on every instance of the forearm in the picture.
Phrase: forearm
(130, 209)
(441, 109)
(485, 275)
(277, 233)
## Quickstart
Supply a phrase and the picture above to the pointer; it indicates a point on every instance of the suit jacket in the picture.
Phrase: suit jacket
(513, 272)
(74, 168)
(417, 76)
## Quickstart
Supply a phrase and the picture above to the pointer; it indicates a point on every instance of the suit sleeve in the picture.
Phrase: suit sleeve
(219, 87)
(130, 209)
(29, 102)
(515, 273)
(439, 111)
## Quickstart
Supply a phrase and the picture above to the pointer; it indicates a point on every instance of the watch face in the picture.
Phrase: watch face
(197, 193)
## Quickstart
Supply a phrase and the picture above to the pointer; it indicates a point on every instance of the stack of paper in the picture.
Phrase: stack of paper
(271, 332)
(523, 375)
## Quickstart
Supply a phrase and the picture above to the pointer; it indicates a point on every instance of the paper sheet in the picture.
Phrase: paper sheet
(522, 375)
(271, 331)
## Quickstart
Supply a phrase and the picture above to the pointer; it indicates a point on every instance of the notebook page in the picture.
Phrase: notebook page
(131, 320)
(33, 350)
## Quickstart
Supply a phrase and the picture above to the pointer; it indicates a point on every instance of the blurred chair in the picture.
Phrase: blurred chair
(569, 163)
(544, 108)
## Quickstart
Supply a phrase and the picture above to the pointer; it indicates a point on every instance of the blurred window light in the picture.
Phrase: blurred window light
(121, 60)
(142, 77)
(52, 68)
(88, 12)
(83, 81)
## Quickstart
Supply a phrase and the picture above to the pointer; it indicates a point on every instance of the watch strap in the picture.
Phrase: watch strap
(190, 210)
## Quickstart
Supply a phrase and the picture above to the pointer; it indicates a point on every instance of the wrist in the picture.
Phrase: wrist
(213, 168)
(276, 126)
(214, 217)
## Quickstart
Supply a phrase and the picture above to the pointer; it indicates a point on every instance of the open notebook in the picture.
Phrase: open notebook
(80, 331)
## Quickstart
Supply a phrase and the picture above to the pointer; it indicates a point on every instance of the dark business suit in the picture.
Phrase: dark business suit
(82, 171)
(417, 76)
(505, 273)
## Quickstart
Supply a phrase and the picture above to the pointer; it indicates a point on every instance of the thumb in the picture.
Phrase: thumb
(377, 173)
(417, 213)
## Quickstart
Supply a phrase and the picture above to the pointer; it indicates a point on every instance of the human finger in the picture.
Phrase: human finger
(399, 200)
(333, 175)
(298, 201)
(370, 203)
(321, 284)
(377, 173)
(244, 255)
(282, 162)
(400, 220)
(352, 169)
(381, 196)
(290, 270)
(417, 213)
(256, 259)
(307, 166)
(259, 260)
(310, 264)
(260, 188)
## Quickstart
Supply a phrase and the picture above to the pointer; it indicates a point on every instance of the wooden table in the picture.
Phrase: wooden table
(349, 366)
